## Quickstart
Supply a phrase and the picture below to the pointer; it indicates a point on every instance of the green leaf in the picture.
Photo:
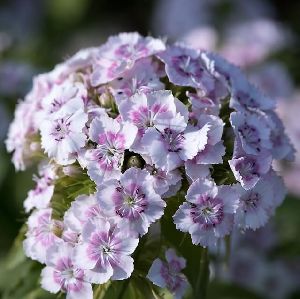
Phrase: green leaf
(19, 276)
(66, 190)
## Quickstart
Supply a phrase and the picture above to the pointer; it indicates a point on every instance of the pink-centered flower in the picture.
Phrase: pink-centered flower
(40, 196)
(62, 133)
(105, 252)
(253, 132)
(112, 139)
(43, 232)
(163, 181)
(172, 142)
(142, 78)
(119, 55)
(254, 205)
(83, 209)
(248, 169)
(132, 200)
(61, 274)
(185, 67)
(148, 110)
(62, 93)
(208, 212)
(167, 274)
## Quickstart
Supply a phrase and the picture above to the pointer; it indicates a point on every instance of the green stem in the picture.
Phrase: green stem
(124, 288)
(203, 276)
(100, 290)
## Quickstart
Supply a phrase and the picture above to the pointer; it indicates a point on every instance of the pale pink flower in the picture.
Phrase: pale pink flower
(41, 195)
(185, 67)
(143, 78)
(119, 55)
(173, 142)
(42, 233)
(61, 274)
(105, 252)
(112, 139)
(208, 212)
(132, 200)
(62, 133)
(168, 274)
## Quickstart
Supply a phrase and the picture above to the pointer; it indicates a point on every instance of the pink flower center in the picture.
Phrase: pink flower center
(130, 203)
(187, 66)
(208, 213)
(247, 168)
(251, 201)
(61, 129)
(173, 139)
(251, 135)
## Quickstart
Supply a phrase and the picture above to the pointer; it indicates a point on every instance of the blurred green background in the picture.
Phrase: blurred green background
(35, 35)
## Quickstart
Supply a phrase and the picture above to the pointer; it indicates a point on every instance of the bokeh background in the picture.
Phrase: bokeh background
(262, 36)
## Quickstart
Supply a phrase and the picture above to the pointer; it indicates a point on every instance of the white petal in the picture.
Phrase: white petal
(154, 274)
(81, 257)
(47, 280)
(123, 267)
(85, 292)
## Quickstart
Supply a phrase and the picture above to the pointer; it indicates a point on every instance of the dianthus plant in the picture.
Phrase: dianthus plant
(149, 156)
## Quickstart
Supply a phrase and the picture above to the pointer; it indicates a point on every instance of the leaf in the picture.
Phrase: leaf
(19, 276)
(287, 223)
(66, 190)
(16, 254)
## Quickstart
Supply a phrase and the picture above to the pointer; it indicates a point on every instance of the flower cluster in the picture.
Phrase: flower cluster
(121, 129)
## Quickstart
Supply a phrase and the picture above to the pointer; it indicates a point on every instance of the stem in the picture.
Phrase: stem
(124, 288)
(100, 290)
(203, 277)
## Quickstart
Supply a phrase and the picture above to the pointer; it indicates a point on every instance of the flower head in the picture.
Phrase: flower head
(117, 129)
(254, 205)
(185, 67)
(132, 200)
(112, 139)
(173, 142)
(253, 132)
(61, 274)
(62, 134)
(168, 274)
(43, 232)
(105, 252)
(208, 212)
(120, 53)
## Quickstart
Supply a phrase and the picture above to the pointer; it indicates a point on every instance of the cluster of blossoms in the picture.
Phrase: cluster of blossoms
(138, 122)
